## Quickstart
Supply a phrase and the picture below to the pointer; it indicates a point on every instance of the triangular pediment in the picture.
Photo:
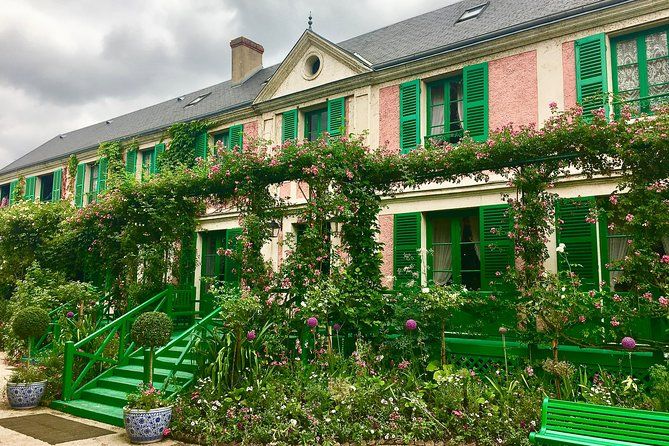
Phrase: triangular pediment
(313, 61)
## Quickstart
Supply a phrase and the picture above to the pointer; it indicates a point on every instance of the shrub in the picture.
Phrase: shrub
(27, 373)
(146, 397)
(659, 379)
(151, 330)
(31, 322)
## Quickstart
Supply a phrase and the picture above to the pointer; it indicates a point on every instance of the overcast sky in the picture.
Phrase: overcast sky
(66, 64)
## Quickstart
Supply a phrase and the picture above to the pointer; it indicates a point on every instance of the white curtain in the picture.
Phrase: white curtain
(441, 240)
(618, 249)
(437, 124)
(476, 236)
(461, 115)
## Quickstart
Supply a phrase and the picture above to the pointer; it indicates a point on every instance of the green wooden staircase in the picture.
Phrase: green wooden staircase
(102, 369)
(104, 400)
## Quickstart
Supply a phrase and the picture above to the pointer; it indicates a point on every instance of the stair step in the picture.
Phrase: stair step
(167, 363)
(93, 411)
(112, 397)
(128, 385)
(159, 374)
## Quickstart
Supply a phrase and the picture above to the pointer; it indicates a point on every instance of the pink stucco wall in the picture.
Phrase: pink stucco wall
(250, 133)
(389, 119)
(284, 190)
(513, 90)
(386, 237)
(569, 74)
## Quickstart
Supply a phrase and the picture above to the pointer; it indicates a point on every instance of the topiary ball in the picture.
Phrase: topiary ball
(31, 322)
(152, 329)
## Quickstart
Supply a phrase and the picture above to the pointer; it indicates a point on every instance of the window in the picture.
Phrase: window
(472, 13)
(148, 162)
(315, 123)
(641, 70)
(197, 100)
(4, 195)
(92, 182)
(224, 137)
(46, 187)
(445, 113)
(454, 247)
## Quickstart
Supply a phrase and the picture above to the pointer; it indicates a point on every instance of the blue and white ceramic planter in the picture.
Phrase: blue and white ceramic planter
(25, 395)
(146, 426)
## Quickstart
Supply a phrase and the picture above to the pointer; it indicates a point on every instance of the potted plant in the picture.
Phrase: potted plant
(147, 415)
(27, 384)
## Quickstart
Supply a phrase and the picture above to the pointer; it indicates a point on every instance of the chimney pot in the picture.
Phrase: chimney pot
(246, 58)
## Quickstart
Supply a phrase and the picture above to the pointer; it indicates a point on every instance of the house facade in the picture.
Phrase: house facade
(474, 66)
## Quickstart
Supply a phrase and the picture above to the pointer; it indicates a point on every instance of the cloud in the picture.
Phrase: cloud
(71, 63)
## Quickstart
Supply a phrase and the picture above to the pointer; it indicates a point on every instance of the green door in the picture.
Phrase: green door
(212, 267)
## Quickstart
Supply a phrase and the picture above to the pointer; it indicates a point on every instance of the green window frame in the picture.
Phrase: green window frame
(315, 123)
(460, 273)
(451, 127)
(148, 162)
(46, 186)
(648, 93)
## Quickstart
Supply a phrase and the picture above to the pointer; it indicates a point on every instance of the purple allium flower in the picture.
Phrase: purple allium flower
(628, 343)
(337, 327)
(411, 325)
(312, 322)
(251, 335)
(70, 315)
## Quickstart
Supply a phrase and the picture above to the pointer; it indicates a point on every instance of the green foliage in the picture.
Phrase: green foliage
(182, 145)
(27, 373)
(659, 379)
(152, 329)
(31, 322)
(146, 398)
(30, 231)
(113, 152)
(72, 163)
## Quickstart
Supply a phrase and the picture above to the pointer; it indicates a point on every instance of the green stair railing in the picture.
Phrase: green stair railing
(201, 329)
(108, 346)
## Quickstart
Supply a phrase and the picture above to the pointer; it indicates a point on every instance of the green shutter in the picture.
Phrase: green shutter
(201, 145)
(336, 116)
(103, 166)
(187, 261)
(236, 137)
(57, 184)
(131, 162)
(475, 87)
(79, 185)
(29, 193)
(12, 191)
(159, 149)
(289, 125)
(409, 115)
(406, 248)
(231, 266)
(496, 246)
(580, 239)
(591, 77)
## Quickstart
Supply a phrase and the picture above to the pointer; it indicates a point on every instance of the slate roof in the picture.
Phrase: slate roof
(419, 36)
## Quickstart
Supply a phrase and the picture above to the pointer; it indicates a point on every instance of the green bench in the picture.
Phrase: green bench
(565, 422)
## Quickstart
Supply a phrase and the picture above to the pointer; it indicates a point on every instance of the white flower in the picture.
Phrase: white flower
(560, 247)
(425, 290)
(293, 421)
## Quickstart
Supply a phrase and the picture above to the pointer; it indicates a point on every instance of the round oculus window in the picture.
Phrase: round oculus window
(312, 66)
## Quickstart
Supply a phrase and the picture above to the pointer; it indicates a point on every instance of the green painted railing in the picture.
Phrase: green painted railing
(197, 331)
(97, 352)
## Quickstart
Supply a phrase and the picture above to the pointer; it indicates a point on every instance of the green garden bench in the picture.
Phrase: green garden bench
(565, 422)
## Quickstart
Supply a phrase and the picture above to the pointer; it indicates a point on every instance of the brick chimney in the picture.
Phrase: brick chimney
(246, 58)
